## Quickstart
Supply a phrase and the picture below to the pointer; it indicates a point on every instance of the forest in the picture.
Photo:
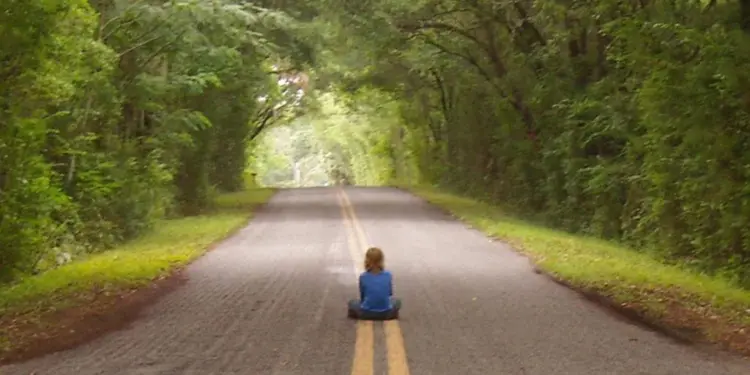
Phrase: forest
(591, 116)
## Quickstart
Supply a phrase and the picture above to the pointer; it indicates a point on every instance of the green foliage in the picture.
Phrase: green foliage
(344, 142)
(115, 113)
(633, 280)
(33, 300)
(33, 210)
(625, 121)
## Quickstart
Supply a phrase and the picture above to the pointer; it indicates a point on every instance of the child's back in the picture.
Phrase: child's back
(375, 291)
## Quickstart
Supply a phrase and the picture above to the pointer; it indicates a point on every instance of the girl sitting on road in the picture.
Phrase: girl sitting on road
(375, 290)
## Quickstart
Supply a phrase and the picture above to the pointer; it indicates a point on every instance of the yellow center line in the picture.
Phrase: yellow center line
(394, 343)
(363, 349)
(351, 237)
(361, 236)
(397, 361)
(362, 363)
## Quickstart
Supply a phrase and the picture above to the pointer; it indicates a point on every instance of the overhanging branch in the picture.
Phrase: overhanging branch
(427, 25)
(467, 58)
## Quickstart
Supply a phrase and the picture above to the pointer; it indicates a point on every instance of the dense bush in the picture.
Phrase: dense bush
(625, 120)
(114, 114)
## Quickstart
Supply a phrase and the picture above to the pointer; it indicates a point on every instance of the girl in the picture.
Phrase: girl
(375, 290)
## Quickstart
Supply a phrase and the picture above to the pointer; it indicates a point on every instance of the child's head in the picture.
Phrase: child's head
(374, 260)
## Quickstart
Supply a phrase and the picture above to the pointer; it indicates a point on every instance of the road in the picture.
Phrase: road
(271, 300)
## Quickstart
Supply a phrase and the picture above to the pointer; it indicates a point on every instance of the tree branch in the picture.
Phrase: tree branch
(451, 11)
(422, 25)
(443, 92)
(526, 23)
(282, 71)
(262, 124)
(163, 47)
(113, 19)
(139, 45)
(119, 26)
(515, 98)
(469, 59)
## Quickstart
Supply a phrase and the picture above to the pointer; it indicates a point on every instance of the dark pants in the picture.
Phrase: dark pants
(356, 312)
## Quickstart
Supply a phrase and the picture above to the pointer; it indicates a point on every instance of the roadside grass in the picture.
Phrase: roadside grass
(171, 245)
(669, 295)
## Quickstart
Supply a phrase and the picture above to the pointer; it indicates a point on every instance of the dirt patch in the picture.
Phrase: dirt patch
(37, 334)
(630, 312)
(709, 326)
(677, 321)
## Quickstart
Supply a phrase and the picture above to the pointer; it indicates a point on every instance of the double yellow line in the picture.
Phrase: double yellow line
(362, 363)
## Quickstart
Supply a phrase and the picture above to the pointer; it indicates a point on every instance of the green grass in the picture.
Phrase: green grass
(172, 244)
(622, 274)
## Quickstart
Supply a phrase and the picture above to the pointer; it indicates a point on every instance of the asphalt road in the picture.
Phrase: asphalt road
(271, 300)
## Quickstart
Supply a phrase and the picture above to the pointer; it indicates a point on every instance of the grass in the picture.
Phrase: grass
(673, 295)
(173, 243)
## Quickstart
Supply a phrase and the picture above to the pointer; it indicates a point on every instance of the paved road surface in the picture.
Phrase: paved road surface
(271, 300)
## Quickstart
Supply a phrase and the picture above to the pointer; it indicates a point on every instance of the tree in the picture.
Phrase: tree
(117, 113)
(624, 120)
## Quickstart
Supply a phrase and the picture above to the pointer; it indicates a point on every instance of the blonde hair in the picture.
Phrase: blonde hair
(374, 260)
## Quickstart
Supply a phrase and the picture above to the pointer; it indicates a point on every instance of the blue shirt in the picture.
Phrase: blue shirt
(375, 291)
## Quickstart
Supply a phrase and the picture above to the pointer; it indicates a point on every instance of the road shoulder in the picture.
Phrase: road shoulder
(682, 304)
(83, 300)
